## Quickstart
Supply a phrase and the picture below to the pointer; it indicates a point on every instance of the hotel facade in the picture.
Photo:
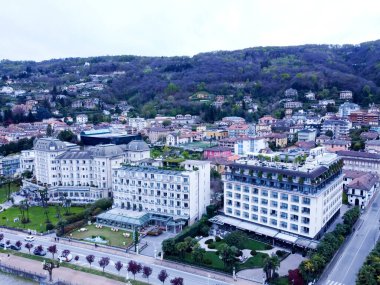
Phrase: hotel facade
(300, 201)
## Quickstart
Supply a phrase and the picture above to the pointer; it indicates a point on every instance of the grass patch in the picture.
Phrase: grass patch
(256, 245)
(249, 244)
(36, 215)
(256, 261)
(4, 191)
(76, 267)
(113, 238)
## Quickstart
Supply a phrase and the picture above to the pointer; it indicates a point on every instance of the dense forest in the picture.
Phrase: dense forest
(164, 84)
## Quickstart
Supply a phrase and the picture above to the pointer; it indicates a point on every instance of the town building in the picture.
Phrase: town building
(310, 96)
(233, 120)
(136, 151)
(360, 161)
(291, 92)
(292, 105)
(170, 198)
(156, 134)
(177, 138)
(339, 128)
(82, 119)
(335, 145)
(238, 130)
(216, 134)
(361, 189)
(107, 136)
(306, 135)
(347, 108)
(27, 158)
(9, 165)
(364, 118)
(274, 197)
(217, 152)
(247, 146)
(372, 146)
(345, 95)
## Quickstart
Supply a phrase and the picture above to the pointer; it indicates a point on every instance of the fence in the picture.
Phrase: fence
(23, 273)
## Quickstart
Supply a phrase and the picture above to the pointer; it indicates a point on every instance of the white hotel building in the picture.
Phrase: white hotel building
(84, 175)
(282, 200)
(168, 197)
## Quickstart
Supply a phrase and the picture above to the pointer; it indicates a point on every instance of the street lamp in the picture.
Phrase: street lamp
(208, 278)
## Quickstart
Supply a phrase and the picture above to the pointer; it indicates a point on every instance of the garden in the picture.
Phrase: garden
(12, 217)
(6, 190)
(110, 236)
(236, 249)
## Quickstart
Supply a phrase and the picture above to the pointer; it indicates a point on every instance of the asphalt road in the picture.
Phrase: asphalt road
(190, 276)
(346, 267)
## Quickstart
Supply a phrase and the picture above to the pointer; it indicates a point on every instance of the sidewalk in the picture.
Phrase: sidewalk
(63, 274)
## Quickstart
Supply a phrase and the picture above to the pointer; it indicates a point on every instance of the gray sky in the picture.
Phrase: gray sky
(43, 29)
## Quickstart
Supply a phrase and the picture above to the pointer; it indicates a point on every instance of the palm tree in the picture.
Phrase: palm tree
(271, 264)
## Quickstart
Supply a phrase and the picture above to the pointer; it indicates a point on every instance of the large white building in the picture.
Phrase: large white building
(281, 198)
(246, 146)
(27, 158)
(82, 174)
(177, 196)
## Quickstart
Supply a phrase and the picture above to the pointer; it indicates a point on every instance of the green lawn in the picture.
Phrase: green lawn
(114, 238)
(249, 244)
(256, 261)
(36, 216)
(256, 245)
(4, 191)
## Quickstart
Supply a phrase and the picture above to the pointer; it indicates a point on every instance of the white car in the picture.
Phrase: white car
(29, 238)
(67, 258)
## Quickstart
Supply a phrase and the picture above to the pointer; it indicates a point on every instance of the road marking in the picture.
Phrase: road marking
(331, 282)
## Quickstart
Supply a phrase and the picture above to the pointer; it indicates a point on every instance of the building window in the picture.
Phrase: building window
(295, 208)
(255, 208)
(306, 200)
(229, 210)
(274, 203)
(284, 215)
(294, 227)
(284, 225)
(264, 201)
(295, 198)
(255, 191)
(273, 222)
(264, 220)
(284, 196)
(264, 211)
(264, 192)
(254, 217)
(284, 206)
(274, 195)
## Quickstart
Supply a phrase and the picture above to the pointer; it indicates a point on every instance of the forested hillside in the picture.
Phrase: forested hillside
(164, 84)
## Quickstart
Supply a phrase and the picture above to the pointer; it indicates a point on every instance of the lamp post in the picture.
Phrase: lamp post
(208, 278)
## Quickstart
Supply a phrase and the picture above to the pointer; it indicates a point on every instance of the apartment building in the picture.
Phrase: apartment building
(338, 127)
(300, 201)
(175, 195)
(360, 161)
(246, 146)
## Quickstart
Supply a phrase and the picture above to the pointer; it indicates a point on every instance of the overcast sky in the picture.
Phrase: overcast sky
(44, 29)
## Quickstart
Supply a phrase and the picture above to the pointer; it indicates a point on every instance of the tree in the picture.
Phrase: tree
(271, 264)
(198, 253)
(45, 199)
(40, 248)
(166, 123)
(134, 268)
(90, 259)
(52, 249)
(118, 266)
(147, 271)
(103, 262)
(67, 136)
(29, 246)
(18, 243)
(181, 247)
(169, 246)
(162, 276)
(1, 236)
(76, 258)
(236, 238)
(49, 130)
(177, 281)
(329, 133)
(228, 254)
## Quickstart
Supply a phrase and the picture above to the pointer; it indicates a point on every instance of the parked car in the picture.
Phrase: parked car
(39, 252)
(67, 258)
(14, 247)
(29, 238)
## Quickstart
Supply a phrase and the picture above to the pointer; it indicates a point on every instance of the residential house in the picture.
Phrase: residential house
(347, 108)
(246, 146)
(345, 95)
(217, 152)
(372, 146)
(82, 119)
(307, 135)
(335, 145)
(338, 127)
(361, 189)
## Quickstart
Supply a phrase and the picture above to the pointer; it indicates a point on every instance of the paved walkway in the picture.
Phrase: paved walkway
(65, 274)
(290, 263)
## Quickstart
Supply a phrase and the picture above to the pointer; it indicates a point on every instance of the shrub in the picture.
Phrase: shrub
(209, 241)
(253, 252)
(268, 247)
(218, 239)
(49, 226)
(280, 253)
(239, 253)
(207, 261)
(211, 246)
